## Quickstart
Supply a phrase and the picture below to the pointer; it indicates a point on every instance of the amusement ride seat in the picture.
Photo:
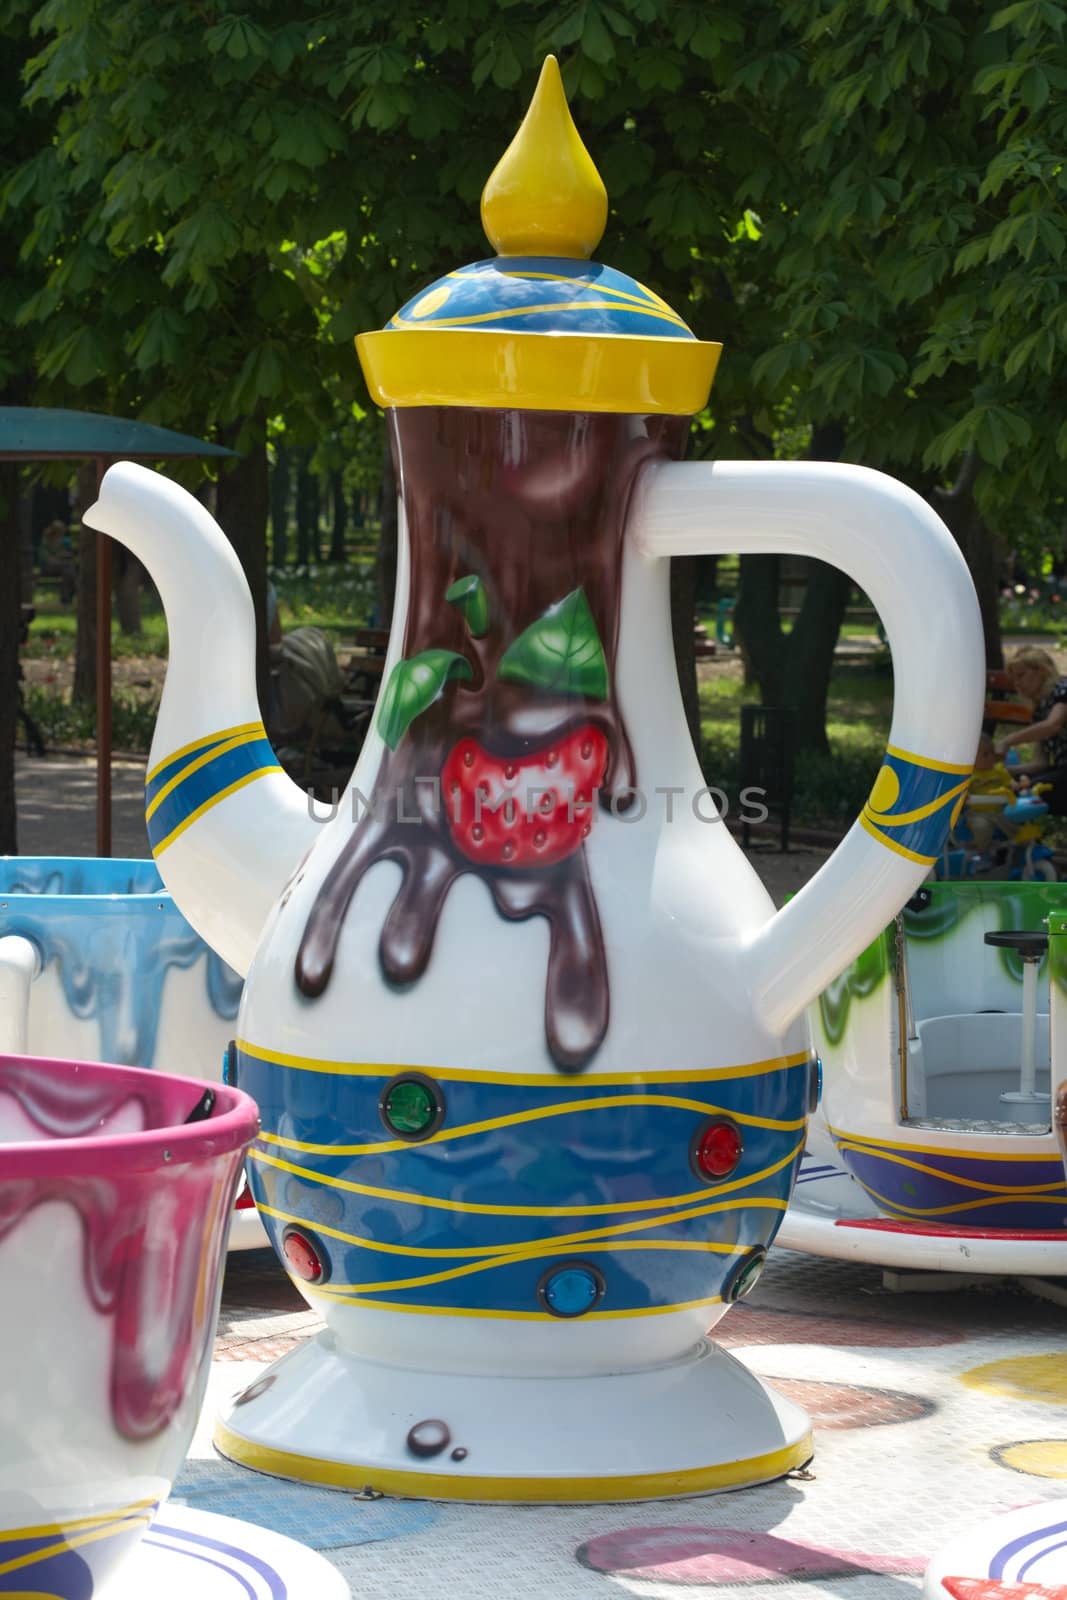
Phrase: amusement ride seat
(1030, 946)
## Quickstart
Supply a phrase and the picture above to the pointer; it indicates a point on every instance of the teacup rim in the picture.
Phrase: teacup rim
(232, 1125)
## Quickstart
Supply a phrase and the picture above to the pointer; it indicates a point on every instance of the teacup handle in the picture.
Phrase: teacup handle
(20, 964)
(899, 552)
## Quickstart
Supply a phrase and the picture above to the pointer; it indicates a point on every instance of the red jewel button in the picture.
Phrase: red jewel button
(302, 1257)
(719, 1149)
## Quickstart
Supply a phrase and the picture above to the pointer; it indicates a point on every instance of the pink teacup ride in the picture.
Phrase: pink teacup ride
(116, 1187)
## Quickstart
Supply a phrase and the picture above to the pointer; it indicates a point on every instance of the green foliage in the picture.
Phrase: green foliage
(65, 724)
(921, 269)
(328, 596)
(863, 199)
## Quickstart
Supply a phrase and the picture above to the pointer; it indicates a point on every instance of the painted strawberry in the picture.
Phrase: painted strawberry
(528, 811)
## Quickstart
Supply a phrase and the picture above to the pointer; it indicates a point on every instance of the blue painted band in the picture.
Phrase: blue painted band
(204, 782)
(623, 1172)
(912, 804)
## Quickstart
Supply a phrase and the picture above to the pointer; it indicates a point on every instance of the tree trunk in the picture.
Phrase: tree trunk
(340, 516)
(10, 629)
(707, 583)
(243, 504)
(385, 555)
(279, 506)
(84, 689)
(684, 571)
(810, 655)
(757, 629)
(129, 575)
(957, 508)
(303, 510)
(314, 490)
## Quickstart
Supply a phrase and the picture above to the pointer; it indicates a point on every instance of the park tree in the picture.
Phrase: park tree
(920, 273)
(21, 133)
(224, 206)
(860, 198)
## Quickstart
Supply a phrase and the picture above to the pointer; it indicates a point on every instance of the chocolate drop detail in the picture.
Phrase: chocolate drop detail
(534, 503)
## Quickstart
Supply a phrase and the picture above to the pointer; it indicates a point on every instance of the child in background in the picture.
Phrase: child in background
(992, 779)
(991, 776)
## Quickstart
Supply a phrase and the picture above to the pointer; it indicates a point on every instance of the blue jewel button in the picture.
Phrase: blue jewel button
(571, 1290)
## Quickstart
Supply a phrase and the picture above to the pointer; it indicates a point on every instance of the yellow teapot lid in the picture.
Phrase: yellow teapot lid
(541, 327)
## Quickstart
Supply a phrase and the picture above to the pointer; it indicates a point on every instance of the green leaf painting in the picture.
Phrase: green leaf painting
(560, 653)
(413, 686)
(470, 596)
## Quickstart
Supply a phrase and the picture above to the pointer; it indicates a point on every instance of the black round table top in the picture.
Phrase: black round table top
(1030, 945)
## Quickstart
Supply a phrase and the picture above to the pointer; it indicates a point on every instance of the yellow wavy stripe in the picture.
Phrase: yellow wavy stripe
(641, 303)
(469, 1129)
(575, 306)
(194, 766)
(554, 1241)
(915, 1213)
(61, 1528)
(902, 819)
(925, 761)
(91, 1536)
(519, 1316)
(948, 1177)
(470, 1209)
(334, 1290)
(533, 1080)
(891, 844)
(860, 1140)
(223, 794)
(198, 744)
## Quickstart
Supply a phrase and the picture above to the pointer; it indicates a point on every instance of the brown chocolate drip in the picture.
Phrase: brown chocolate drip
(534, 504)
(576, 991)
(410, 927)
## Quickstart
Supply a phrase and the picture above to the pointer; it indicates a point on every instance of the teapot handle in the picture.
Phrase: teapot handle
(899, 552)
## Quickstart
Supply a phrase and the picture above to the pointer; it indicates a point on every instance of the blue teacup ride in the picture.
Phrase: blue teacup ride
(98, 964)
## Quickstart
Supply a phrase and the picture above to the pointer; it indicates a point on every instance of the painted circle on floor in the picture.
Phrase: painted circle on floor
(1040, 1458)
(1022, 1378)
(990, 1589)
(763, 1325)
(846, 1405)
(690, 1557)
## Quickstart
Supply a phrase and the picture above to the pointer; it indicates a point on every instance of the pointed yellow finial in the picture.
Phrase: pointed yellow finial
(545, 197)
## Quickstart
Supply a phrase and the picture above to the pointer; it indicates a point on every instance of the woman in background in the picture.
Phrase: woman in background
(1033, 673)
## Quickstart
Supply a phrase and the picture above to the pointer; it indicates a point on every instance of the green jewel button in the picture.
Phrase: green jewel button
(746, 1275)
(412, 1106)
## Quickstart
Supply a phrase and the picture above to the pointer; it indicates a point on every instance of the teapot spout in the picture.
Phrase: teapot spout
(226, 826)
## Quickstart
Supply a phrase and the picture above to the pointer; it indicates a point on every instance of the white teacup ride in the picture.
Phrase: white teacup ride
(1021, 1555)
(115, 1191)
(934, 1147)
(98, 964)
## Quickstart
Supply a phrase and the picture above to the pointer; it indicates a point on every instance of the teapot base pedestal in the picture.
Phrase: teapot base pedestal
(695, 1425)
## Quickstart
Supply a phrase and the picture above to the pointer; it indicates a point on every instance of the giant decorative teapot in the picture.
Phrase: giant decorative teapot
(526, 1033)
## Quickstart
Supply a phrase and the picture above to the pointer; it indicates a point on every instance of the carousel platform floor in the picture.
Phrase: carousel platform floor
(932, 1409)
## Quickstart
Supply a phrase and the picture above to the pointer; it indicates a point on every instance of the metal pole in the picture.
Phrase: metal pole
(103, 682)
(1028, 1073)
